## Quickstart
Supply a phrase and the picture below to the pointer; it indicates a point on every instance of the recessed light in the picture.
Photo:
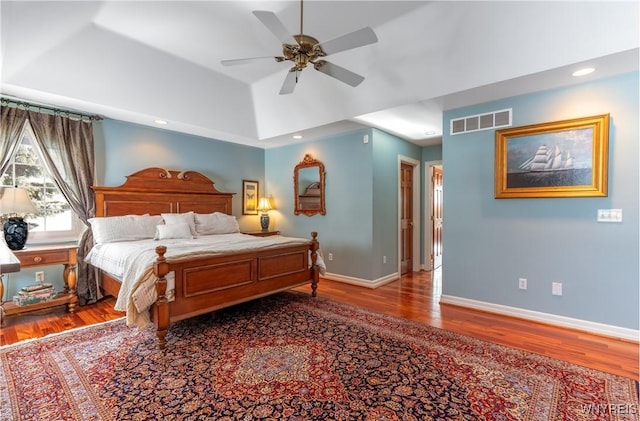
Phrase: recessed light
(161, 122)
(430, 132)
(583, 72)
(297, 136)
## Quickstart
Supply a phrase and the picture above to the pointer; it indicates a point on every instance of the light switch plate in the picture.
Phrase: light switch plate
(609, 215)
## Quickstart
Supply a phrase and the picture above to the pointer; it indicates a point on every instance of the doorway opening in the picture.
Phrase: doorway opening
(434, 215)
(408, 215)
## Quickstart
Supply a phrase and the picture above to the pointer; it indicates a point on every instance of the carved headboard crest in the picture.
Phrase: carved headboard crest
(162, 179)
(183, 175)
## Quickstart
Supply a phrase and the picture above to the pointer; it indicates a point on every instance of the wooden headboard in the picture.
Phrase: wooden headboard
(157, 190)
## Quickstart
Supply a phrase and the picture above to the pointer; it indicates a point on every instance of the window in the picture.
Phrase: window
(56, 221)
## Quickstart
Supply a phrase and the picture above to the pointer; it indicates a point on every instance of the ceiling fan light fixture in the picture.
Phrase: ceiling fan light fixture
(303, 49)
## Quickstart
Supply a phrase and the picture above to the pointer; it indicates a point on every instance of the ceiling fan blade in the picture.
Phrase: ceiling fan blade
(338, 72)
(271, 21)
(290, 81)
(364, 36)
(236, 62)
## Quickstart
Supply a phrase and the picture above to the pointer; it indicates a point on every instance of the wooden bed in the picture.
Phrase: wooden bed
(202, 284)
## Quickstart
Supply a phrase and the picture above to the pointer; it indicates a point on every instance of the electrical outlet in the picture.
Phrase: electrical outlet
(39, 277)
(522, 283)
(330, 256)
(384, 259)
(556, 288)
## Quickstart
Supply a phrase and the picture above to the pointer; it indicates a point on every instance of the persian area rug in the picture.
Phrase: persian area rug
(294, 357)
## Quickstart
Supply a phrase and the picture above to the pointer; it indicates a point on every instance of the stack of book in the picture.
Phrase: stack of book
(32, 294)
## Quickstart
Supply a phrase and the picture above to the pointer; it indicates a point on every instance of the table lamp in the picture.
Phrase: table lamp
(264, 206)
(14, 204)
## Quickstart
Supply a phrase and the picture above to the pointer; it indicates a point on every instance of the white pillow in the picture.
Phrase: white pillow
(181, 218)
(216, 223)
(181, 230)
(110, 229)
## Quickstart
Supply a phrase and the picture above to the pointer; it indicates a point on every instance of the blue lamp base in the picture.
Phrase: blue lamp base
(264, 221)
(16, 231)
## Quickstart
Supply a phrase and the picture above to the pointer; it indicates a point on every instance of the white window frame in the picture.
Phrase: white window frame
(43, 237)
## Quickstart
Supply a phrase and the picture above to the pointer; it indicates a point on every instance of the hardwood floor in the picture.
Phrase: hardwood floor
(414, 297)
(45, 322)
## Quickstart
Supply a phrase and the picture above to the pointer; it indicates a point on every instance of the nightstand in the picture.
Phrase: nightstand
(262, 233)
(45, 255)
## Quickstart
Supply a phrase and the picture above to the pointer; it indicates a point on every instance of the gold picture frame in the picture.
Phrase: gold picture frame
(567, 158)
(250, 197)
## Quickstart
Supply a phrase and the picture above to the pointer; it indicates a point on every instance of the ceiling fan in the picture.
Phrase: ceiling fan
(303, 49)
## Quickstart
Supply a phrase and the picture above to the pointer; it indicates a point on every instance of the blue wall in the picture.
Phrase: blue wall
(361, 200)
(361, 184)
(346, 229)
(124, 148)
(386, 149)
(489, 244)
(432, 153)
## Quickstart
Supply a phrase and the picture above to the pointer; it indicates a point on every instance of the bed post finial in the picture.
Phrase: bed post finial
(314, 266)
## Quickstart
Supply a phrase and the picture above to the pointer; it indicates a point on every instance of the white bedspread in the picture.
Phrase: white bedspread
(132, 263)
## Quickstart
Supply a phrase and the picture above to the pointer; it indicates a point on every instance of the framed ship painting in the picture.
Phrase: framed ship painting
(560, 159)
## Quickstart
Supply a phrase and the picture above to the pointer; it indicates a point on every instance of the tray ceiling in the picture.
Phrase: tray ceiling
(140, 61)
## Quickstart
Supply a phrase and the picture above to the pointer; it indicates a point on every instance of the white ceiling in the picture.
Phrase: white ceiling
(146, 60)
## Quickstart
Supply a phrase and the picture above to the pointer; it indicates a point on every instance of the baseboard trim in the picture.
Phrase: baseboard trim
(362, 282)
(547, 318)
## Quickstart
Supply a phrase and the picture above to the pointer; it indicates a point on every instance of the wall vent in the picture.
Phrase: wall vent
(474, 123)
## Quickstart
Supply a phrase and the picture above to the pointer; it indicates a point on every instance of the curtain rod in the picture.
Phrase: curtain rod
(17, 103)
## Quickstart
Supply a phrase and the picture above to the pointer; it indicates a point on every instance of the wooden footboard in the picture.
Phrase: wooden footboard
(206, 284)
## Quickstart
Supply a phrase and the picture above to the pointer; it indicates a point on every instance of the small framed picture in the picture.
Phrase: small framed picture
(250, 195)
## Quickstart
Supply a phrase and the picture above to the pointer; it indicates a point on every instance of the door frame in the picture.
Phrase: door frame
(428, 194)
(416, 212)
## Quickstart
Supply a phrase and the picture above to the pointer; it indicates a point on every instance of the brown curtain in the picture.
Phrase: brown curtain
(67, 147)
(12, 122)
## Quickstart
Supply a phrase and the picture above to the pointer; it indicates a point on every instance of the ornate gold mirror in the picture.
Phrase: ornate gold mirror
(308, 187)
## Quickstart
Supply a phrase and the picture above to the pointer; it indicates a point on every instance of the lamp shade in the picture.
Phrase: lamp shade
(264, 204)
(16, 201)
